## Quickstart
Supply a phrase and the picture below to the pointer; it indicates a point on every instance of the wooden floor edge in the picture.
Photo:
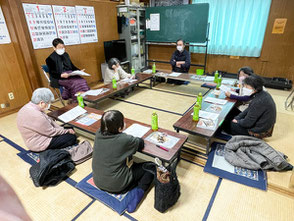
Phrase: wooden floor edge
(281, 190)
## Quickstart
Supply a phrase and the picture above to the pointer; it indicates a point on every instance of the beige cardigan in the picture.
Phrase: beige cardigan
(36, 128)
(119, 75)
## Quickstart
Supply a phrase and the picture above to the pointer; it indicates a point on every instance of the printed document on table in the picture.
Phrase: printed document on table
(229, 81)
(175, 74)
(137, 130)
(78, 72)
(88, 119)
(162, 139)
(209, 78)
(72, 114)
(207, 115)
(225, 88)
(215, 100)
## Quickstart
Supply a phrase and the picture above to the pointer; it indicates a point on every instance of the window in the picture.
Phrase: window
(237, 27)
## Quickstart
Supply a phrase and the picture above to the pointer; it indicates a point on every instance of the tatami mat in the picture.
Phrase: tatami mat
(161, 100)
(61, 202)
(233, 201)
(142, 114)
(239, 202)
(191, 89)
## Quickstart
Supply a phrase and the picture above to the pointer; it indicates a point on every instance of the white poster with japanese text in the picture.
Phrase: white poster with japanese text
(87, 24)
(66, 24)
(41, 24)
(4, 34)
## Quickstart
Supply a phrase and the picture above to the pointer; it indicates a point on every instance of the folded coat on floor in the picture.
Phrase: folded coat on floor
(253, 153)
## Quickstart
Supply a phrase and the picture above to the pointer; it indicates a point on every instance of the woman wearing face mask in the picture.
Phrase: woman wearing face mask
(60, 66)
(114, 70)
(259, 118)
(38, 131)
(180, 60)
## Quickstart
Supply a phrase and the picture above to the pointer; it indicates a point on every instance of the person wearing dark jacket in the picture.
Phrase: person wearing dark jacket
(259, 118)
(60, 66)
(181, 59)
(112, 151)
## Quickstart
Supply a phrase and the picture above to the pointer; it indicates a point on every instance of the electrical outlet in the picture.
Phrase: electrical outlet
(11, 96)
(3, 105)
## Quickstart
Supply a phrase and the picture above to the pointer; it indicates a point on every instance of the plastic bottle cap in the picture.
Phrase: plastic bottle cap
(200, 94)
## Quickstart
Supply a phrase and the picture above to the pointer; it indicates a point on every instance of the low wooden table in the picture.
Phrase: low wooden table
(186, 123)
(121, 87)
(199, 79)
(149, 149)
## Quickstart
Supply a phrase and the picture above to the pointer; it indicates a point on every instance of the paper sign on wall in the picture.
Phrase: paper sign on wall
(4, 34)
(279, 25)
(154, 22)
(87, 24)
(66, 24)
(41, 24)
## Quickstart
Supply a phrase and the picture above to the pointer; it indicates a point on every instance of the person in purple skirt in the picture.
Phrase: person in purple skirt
(60, 67)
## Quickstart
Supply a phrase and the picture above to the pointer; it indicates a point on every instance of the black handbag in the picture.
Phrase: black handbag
(167, 186)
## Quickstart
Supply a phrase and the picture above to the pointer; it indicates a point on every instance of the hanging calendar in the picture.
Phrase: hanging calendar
(4, 34)
(87, 24)
(66, 24)
(41, 24)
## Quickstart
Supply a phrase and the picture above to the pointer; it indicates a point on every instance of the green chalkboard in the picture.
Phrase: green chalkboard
(188, 22)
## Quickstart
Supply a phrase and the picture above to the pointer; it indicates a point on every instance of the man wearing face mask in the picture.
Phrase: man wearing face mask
(60, 65)
(259, 118)
(180, 60)
(38, 131)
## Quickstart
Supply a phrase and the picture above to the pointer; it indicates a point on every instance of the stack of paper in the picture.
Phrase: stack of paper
(137, 130)
(209, 78)
(163, 139)
(229, 81)
(225, 89)
(72, 114)
(207, 115)
(174, 74)
(215, 100)
(81, 73)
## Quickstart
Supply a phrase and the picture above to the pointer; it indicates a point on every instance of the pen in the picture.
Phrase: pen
(163, 148)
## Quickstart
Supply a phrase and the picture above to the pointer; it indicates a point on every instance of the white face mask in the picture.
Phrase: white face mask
(60, 51)
(179, 48)
(247, 91)
(241, 79)
(49, 105)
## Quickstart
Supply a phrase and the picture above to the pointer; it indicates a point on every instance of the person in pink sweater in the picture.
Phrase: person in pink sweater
(37, 129)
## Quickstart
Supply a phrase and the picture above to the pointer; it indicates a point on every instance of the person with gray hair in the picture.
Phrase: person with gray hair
(38, 131)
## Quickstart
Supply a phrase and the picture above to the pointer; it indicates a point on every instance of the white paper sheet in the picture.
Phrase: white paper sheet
(207, 124)
(225, 88)
(174, 74)
(155, 22)
(72, 114)
(78, 72)
(209, 78)
(148, 71)
(128, 80)
(4, 34)
(207, 115)
(228, 81)
(41, 24)
(137, 130)
(66, 24)
(94, 92)
(87, 24)
(215, 100)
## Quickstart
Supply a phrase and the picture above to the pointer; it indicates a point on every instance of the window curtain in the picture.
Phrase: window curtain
(237, 27)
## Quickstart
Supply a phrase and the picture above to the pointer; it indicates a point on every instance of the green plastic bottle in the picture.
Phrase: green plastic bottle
(80, 100)
(215, 76)
(196, 112)
(133, 71)
(153, 68)
(199, 99)
(114, 85)
(154, 121)
(219, 82)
